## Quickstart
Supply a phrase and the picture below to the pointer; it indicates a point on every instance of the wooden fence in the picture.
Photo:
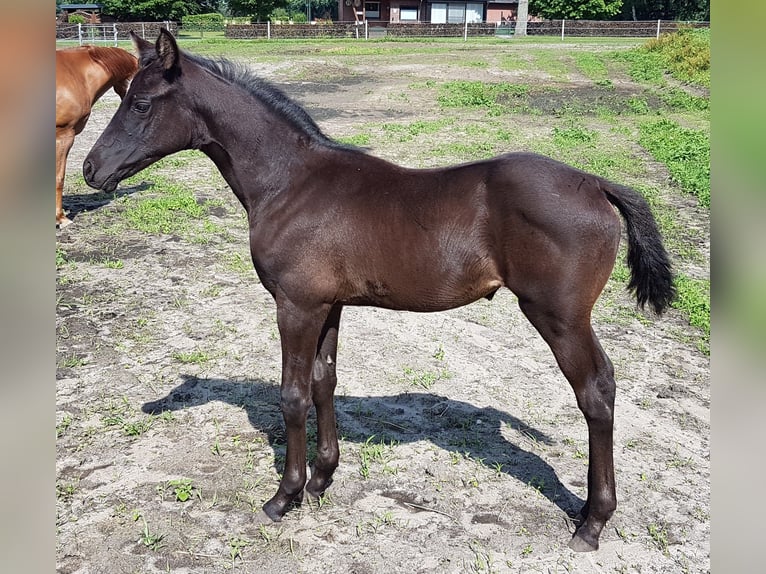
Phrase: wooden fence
(85, 33)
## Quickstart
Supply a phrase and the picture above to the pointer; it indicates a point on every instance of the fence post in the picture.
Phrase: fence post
(562, 28)
(143, 31)
(268, 29)
(114, 27)
(658, 28)
(79, 32)
(465, 31)
(366, 30)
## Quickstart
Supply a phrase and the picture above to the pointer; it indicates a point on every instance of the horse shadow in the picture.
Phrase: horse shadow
(76, 203)
(455, 426)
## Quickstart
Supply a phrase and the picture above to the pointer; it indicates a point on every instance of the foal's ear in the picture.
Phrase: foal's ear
(167, 52)
(145, 49)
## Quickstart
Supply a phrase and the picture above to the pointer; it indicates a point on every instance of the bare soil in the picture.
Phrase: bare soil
(462, 447)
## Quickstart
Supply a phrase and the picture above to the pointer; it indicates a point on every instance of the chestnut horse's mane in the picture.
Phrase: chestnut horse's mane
(120, 63)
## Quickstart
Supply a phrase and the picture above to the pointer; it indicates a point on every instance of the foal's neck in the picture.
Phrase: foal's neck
(253, 147)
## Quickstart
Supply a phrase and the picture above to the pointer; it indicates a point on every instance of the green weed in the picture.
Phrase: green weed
(182, 488)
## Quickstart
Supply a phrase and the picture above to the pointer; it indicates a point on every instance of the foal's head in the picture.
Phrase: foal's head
(152, 121)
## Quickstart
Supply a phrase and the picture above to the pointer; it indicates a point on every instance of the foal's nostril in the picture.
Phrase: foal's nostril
(87, 170)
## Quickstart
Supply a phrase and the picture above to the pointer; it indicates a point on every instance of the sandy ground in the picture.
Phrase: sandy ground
(462, 447)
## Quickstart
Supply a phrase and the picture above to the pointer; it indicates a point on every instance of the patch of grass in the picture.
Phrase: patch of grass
(152, 540)
(473, 94)
(73, 361)
(551, 62)
(642, 66)
(474, 64)
(638, 105)
(681, 100)
(62, 426)
(239, 263)
(169, 213)
(61, 257)
(573, 135)
(406, 132)
(197, 357)
(378, 452)
(359, 140)
(424, 379)
(685, 152)
(592, 66)
(659, 535)
(516, 62)
(112, 263)
(693, 302)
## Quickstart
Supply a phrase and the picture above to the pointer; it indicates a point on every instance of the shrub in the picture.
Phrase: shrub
(77, 19)
(212, 22)
(279, 15)
(686, 54)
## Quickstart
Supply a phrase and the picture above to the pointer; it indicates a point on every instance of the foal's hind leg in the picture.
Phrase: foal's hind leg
(590, 372)
(323, 382)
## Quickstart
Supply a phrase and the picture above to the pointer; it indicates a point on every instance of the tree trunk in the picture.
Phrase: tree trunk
(521, 18)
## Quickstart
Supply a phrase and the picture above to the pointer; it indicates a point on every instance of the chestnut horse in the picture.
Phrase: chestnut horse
(83, 75)
(331, 225)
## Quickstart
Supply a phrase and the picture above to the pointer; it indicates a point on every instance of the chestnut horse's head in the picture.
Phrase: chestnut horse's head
(151, 122)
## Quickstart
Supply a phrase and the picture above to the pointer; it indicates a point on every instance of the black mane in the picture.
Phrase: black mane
(267, 93)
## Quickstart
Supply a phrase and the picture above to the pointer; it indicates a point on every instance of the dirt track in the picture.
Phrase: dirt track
(462, 446)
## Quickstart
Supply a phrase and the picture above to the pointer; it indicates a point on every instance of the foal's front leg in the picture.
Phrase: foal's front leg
(299, 331)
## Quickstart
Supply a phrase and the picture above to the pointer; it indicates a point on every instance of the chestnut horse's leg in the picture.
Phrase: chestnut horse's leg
(590, 372)
(299, 331)
(64, 141)
(323, 384)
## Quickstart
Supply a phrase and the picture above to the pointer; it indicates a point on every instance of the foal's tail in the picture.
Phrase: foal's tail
(650, 272)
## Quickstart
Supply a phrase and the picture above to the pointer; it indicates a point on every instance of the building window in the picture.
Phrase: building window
(474, 12)
(372, 9)
(439, 13)
(455, 13)
(409, 14)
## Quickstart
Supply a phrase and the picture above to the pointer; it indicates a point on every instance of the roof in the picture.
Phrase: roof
(80, 6)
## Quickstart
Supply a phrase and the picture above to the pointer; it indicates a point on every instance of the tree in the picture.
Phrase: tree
(151, 10)
(666, 10)
(318, 7)
(258, 9)
(575, 9)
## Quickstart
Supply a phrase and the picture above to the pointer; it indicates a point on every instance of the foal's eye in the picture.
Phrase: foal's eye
(141, 107)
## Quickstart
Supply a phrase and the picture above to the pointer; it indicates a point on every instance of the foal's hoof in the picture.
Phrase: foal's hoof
(579, 544)
(63, 222)
(262, 518)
